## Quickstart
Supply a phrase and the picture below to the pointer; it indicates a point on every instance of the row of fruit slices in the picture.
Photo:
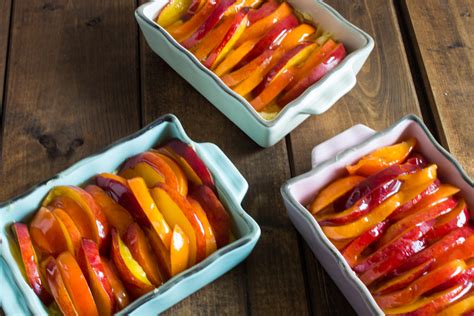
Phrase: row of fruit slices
(262, 51)
(115, 240)
(405, 234)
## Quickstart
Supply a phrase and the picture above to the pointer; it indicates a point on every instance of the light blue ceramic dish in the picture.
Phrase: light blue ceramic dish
(329, 160)
(17, 298)
(315, 100)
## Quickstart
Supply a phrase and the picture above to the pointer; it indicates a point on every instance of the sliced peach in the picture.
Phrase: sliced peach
(137, 242)
(116, 215)
(334, 191)
(216, 213)
(129, 269)
(98, 228)
(161, 252)
(459, 307)
(76, 285)
(234, 32)
(383, 158)
(120, 294)
(47, 233)
(57, 287)
(273, 90)
(264, 10)
(263, 25)
(70, 229)
(172, 12)
(151, 168)
(95, 271)
(180, 175)
(189, 161)
(30, 261)
(240, 4)
(234, 57)
(178, 211)
(255, 69)
(211, 245)
(179, 255)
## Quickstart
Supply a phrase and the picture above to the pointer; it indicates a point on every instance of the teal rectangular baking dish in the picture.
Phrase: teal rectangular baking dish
(17, 298)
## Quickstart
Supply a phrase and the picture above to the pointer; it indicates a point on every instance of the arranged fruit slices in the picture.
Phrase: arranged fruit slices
(93, 250)
(404, 233)
(260, 49)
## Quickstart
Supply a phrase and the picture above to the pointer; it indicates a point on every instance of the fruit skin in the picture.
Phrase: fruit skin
(265, 10)
(118, 289)
(172, 12)
(137, 242)
(457, 218)
(394, 254)
(158, 170)
(207, 25)
(47, 234)
(98, 225)
(30, 261)
(211, 245)
(58, 288)
(116, 215)
(363, 206)
(180, 175)
(70, 228)
(329, 63)
(76, 285)
(333, 191)
(93, 268)
(217, 215)
(190, 162)
(131, 273)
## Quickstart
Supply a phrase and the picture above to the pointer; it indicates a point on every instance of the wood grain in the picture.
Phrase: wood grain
(5, 10)
(442, 31)
(271, 280)
(72, 86)
(384, 93)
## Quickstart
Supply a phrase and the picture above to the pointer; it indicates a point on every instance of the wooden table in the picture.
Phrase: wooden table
(77, 75)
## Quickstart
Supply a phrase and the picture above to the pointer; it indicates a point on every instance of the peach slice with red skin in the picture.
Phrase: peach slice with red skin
(133, 195)
(179, 251)
(137, 242)
(98, 228)
(254, 69)
(265, 10)
(211, 245)
(457, 218)
(118, 289)
(130, 271)
(234, 57)
(177, 211)
(180, 175)
(464, 306)
(216, 213)
(58, 288)
(215, 16)
(273, 89)
(151, 168)
(116, 215)
(172, 12)
(47, 233)
(329, 62)
(98, 281)
(70, 229)
(189, 161)
(76, 285)
(161, 252)
(30, 261)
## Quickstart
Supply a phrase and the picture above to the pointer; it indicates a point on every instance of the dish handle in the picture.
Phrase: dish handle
(333, 146)
(224, 170)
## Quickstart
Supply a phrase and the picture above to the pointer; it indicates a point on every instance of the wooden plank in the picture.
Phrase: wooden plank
(5, 10)
(442, 32)
(383, 94)
(271, 280)
(72, 86)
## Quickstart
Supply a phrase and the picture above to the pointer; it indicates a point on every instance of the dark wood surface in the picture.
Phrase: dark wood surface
(70, 86)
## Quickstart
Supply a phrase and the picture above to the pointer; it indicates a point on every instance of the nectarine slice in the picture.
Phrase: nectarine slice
(180, 175)
(234, 57)
(98, 281)
(118, 289)
(98, 227)
(137, 242)
(30, 261)
(179, 251)
(57, 287)
(70, 229)
(172, 12)
(459, 307)
(211, 244)
(47, 233)
(161, 252)
(76, 285)
(116, 215)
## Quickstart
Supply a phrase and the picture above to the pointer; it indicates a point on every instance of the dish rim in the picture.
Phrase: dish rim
(233, 204)
(348, 61)
(303, 212)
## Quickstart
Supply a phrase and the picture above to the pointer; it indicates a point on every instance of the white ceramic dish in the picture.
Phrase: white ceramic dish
(329, 160)
(315, 100)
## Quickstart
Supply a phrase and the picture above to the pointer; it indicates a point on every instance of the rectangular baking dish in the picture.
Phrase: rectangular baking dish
(17, 296)
(314, 101)
(328, 161)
